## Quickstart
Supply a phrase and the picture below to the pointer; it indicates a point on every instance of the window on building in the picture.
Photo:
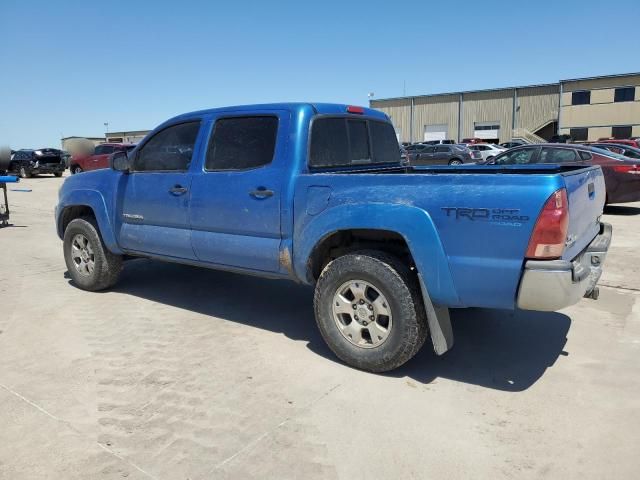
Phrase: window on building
(621, 132)
(582, 97)
(169, 149)
(240, 143)
(625, 94)
(579, 134)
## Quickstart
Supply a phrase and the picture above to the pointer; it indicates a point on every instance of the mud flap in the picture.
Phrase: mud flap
(439, 322)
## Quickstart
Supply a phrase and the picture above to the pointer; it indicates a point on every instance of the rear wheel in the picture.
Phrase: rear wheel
(76, 169)
(57, 174)
(455, 161)
(90, 264)
(24, 173)
(369, 310)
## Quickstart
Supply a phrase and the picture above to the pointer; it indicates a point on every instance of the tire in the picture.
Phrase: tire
(57, 174)
(106, 266)
(455, 161)
(406, 323)
(489, 159)
(24, 173)
(76, 169)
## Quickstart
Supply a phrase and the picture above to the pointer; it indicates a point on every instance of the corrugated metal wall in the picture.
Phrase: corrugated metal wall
(436, 110)
(494, 106)
(400, 113)
(538, 106)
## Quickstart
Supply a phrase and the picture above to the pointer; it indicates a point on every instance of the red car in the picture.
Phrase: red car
(631, 142)
(621, 174)
(99, 158)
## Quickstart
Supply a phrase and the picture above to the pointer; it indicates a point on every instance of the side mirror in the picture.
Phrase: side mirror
(120, 162)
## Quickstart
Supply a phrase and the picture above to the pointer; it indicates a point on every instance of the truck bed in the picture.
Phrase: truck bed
(482, 257)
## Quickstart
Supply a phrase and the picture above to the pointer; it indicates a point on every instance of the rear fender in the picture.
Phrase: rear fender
(412, 223)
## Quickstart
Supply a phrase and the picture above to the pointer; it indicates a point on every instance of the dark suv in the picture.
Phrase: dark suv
(28, 163)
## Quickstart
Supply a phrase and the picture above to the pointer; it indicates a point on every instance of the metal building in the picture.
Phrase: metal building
(533, 113)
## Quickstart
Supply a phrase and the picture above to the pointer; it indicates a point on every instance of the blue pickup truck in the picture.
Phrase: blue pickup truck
(318, 194)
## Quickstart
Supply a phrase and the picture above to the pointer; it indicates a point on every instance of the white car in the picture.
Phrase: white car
(487, 150)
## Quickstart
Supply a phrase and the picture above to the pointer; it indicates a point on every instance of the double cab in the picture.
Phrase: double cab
(317, 193)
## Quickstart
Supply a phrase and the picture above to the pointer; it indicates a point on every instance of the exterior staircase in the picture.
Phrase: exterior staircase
(526, 136)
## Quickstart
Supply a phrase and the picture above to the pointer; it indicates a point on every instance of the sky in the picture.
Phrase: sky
(68, 67)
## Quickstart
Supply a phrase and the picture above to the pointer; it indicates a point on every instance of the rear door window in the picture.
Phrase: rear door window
(241, 143)
(443, 149)
(557, 155)
(517, 157)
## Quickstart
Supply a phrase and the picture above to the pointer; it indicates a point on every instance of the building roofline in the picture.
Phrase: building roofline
(124, 132)
(616, 75)
(462, 92)
(88, 138)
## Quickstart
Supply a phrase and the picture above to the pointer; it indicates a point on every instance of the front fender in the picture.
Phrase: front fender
(412, 223)
(94, 200)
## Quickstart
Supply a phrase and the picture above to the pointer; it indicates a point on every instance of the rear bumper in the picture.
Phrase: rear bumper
(549, 285)
(53, 168)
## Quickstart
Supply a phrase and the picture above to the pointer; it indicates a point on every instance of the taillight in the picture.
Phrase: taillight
(632, 169)
(550, 232)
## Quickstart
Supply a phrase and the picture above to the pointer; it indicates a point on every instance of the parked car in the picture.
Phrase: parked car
(98, 159)
(624, 150)
(316, 193)
(631, 143)
(513, 143)
(468, 141)
(621, 174)
(29, 163)
(442, 155)
(487, 150)
(438, 142)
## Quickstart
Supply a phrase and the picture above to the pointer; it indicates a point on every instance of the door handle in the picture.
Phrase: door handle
(261, 193)
(178, 190)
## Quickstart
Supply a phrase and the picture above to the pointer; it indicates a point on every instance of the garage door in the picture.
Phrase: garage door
(435, 132)
(487, 130)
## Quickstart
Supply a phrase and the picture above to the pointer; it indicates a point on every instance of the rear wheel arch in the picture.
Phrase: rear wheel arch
(342, 242)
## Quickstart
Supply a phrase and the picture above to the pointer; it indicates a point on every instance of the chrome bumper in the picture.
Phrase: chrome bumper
(549, 285)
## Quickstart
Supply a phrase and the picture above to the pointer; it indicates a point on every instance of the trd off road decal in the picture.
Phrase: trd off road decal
(508, 217)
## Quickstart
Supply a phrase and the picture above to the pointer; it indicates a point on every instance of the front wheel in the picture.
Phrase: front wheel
(75, 169)
(369, 310)
(57, 174)
(455, 161)
(90, 264)
(24, 173)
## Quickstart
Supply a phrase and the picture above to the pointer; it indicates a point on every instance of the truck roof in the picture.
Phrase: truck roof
(294, 107)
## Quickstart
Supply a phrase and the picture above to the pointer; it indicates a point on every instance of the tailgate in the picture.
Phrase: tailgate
(586, 192)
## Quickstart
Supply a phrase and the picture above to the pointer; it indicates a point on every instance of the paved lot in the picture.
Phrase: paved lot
(187, 373)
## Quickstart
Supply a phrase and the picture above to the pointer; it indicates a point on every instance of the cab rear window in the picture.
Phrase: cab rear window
(345, 141)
